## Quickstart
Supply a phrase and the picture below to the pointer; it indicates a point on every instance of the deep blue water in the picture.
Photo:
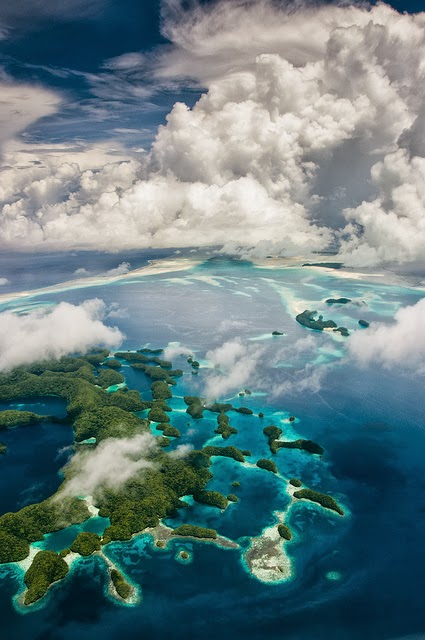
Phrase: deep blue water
(370, 422)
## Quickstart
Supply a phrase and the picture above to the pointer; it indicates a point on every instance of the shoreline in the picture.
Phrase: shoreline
(155, 267)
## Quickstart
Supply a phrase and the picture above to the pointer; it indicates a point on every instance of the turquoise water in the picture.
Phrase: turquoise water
(353, 577)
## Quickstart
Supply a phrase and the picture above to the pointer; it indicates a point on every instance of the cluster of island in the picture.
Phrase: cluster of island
(100, 406)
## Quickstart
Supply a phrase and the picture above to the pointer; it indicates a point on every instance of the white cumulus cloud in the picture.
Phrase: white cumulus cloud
(398, 344)
(234, 366)
(109, 465)
(308, 134)
(65, 329)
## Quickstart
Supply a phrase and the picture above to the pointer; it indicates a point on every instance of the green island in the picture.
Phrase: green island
(3, 448)
(364, 324)
(213, 498)
(268, 465)
(121, 586)
(184, 555)
(224, 428)
(284, 532)
(195, 406)
(96, 413)
(308, 319)
(46, 568)
(192, 531)
(86, 543)
(13, 418)
(273, 434)
(295, 482)
(277, 333)
(321, 498)
(331, 301)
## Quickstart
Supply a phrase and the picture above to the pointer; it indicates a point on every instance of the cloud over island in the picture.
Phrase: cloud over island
(53, 333)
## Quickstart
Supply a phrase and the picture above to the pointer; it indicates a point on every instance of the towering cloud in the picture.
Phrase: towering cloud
(308, 134)
(65, 329)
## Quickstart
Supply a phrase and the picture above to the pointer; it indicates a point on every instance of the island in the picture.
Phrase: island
(308, 319)
(364, 324)
(331, 301)
(100, 408)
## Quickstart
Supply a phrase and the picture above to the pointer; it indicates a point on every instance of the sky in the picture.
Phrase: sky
(260, 126)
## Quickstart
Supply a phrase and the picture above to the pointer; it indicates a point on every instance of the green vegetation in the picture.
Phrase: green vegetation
(112, 363)
(108, 422)
(245, 452)
(143, 500)
(219, 407)
(212, 498)
(261, 414)
(307, 319)
(190, 530)
(121, 586)
(157, 373)
(228, 452)
(343, 331)
(109, 377)
(232, 498)
(244, 410)
(284, 532)
(12, 548)
(30, 524)
(195, 364)
(325, 265)
(171, 432)
(195, 406)
(295, 482)
(86, 543)
(224, 428)
(156, 414)
(268, 465)
(64, 553)
(3, 448)
(160, 544)
(277, 333)
(161, 390)
(338, 301)
(236, 484)
(272, 432)
(184, 555)
(11, 418)
(363, 323)
(321, 498)
(304, 445)
(292, 419)
(46, 568)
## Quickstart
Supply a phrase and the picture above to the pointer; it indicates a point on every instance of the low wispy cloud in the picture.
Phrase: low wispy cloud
(234, 365)
(176, 349)
(308, 379)
(53, 333)
(398, 344)
(4, 281)
(109, 465)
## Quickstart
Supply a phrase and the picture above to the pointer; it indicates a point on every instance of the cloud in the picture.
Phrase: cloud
(176, 349)
(234, 365)
(65, 329)
(400, 344)
(109, 465)
(81, 272)
(4, 281)
(120, 270)
(307, 135)
(309, 378)
(181, 451)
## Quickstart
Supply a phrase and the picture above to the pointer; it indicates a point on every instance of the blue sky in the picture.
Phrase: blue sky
(67, 45)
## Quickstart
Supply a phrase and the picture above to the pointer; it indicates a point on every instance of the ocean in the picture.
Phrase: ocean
(353, 577)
